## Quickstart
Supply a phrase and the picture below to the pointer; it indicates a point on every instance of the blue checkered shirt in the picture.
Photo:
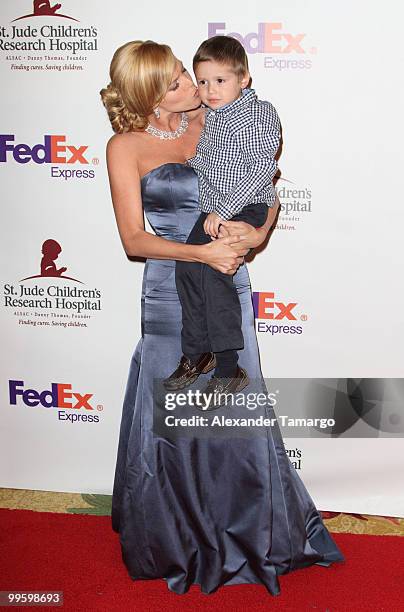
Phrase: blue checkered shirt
(235, 156)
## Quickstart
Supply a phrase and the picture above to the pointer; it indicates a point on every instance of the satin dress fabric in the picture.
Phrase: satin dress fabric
(210, 511)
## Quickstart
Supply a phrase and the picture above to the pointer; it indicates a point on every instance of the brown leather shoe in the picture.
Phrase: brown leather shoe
(186, 372)
(222, 388)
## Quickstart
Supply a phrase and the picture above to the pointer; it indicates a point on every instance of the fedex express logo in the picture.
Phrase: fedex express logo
(270, 38)
(267, 307)
(53, 150)
(60, 395)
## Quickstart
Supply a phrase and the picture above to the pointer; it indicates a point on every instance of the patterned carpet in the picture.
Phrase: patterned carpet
(83, 503)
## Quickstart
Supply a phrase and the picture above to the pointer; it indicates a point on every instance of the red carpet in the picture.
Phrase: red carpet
(80, 555)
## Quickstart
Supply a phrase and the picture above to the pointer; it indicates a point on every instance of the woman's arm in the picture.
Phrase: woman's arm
(245, 234)
(126, 196)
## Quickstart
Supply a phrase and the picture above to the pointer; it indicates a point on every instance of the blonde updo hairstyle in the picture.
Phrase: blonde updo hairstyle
(141, 73)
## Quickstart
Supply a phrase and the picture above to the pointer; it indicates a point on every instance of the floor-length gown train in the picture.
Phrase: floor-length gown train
(211, 511)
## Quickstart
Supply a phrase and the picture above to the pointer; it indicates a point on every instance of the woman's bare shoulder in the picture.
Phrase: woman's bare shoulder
(125, 143)
(125, 150)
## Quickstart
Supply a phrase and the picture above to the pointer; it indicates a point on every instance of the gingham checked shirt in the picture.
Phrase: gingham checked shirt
(235, 156)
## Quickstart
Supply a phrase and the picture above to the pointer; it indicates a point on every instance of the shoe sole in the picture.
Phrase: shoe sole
(205, 370)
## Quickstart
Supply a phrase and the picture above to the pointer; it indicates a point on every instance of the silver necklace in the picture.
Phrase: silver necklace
(164, 135)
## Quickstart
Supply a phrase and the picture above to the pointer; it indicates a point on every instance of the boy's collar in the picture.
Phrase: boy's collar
(247, 95)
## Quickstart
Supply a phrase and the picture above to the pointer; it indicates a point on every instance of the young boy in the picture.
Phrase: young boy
(235, 165)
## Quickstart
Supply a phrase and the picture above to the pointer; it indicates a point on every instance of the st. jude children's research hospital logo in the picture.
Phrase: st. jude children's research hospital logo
(283, 50)
(55, 149)
(44, 301)
(47, 39)
(295, 204)
(43, 7)
(276, 316)
(71, 406)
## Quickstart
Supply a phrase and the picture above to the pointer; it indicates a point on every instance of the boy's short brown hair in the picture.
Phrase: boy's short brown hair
(225, 50)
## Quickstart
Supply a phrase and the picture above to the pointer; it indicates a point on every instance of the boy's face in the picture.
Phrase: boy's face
(218, 84)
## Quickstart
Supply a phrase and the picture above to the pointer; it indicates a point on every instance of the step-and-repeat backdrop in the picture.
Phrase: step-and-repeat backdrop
(328, 291)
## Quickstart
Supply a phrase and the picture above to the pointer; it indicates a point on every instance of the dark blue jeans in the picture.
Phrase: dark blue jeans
(211, 312)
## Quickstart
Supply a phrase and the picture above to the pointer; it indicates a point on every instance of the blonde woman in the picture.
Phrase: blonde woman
(193, 510)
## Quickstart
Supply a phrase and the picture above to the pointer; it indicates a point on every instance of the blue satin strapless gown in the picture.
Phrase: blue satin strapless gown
(202, 511)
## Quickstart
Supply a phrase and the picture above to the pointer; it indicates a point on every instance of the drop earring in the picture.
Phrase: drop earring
(156, 111)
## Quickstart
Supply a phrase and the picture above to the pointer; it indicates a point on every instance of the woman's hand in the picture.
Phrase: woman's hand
(242, 235)
(221, 256)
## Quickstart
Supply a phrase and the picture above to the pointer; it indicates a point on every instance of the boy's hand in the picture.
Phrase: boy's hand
(211, 224)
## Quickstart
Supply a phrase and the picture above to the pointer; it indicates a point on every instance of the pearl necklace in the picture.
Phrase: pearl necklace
(164, 135)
